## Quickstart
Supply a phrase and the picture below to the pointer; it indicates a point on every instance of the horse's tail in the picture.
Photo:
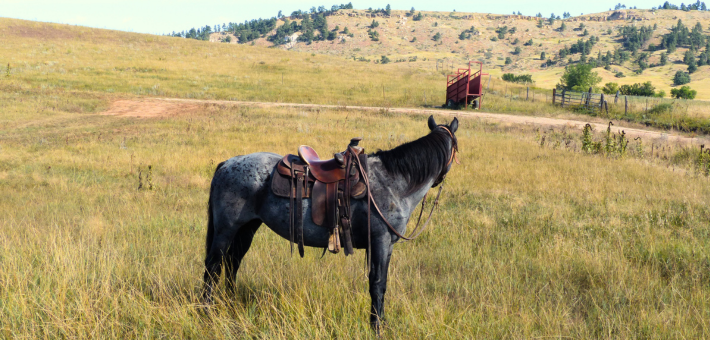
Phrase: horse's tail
(210, 222)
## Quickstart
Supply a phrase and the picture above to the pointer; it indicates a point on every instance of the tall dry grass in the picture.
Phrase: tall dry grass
(528, 241)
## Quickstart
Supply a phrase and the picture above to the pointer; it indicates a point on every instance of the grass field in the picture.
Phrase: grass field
(530, 241)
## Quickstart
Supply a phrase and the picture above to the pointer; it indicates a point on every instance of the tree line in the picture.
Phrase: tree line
(313, 21)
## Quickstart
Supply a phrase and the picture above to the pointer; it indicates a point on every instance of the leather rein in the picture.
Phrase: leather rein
(416, 231)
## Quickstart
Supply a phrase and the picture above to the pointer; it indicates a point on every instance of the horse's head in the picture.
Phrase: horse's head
(450, 130)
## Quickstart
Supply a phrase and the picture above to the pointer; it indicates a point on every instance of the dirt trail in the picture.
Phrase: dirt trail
(166, 107)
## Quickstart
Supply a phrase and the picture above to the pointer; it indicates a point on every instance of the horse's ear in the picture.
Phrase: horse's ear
(454, 125)
(432, 123)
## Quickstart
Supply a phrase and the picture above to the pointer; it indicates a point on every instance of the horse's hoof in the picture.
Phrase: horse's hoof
(377, 327)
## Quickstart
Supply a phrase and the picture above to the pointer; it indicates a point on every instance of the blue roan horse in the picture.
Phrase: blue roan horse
(241, 200)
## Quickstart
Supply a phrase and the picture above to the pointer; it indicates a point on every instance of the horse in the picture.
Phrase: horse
(241, 200)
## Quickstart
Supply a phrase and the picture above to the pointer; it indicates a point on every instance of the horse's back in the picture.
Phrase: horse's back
(239, 182)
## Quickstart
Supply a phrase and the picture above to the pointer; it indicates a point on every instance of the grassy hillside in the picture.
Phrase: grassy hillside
(533, 237)
(401, 38)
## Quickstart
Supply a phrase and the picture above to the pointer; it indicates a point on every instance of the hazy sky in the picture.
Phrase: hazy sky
(161, 16)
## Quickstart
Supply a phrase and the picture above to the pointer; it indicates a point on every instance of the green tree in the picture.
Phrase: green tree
(540, 23)
(518, 50)
(384, 60)
(683, 93)
(681, 78)
(437, 36)
(563, 27)
(542, 55)
(388, 9)
(374, 23)
(411, 12)
(586, 33)
(664, 59)
(579, 78)
(508, 61)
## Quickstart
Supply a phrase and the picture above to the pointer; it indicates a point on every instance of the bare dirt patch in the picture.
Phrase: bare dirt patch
(149, 108)
(166, 107)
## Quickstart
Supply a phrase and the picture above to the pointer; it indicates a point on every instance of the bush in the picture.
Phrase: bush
(643, 90)
(508, 61)
(523, 78)
(437, 36)
(542, 56)
(661, 108)
(610, 88)
(681, 78)
(517, 50)
(684, 93)
(384, 60)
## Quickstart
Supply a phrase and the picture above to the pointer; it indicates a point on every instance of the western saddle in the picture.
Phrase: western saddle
(330, 184)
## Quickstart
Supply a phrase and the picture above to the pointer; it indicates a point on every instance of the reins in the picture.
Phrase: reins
(416, 231)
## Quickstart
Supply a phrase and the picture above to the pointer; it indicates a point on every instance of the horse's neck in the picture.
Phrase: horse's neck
(393, 188)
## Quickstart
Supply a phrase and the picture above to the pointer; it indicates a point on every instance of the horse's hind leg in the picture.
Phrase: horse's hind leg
(240, 246)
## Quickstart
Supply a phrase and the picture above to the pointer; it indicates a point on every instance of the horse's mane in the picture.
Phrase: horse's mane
(420, 160)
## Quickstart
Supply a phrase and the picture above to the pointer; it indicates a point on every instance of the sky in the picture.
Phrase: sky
(161, 16)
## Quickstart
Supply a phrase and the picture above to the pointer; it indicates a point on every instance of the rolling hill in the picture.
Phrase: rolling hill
(403, 39)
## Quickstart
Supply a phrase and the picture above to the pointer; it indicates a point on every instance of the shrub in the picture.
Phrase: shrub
(643, 90)
(384, 60)
(661, 108)
(681, 78)
(684, 93)
(508, 61)
(610, 88)
(517, 50)
(523, 78)
(437, 36)
(542, 56)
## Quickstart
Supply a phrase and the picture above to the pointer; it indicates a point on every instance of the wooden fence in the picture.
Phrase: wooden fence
(588, 101)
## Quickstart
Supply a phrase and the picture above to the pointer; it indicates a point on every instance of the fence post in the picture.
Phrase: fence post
(553, 96)
(601, 103)
(489, 83)
(527, 96)
(626, 105)
(646, 104)
(606, 106)
(617, 97)
(589, 97)
(563, 97)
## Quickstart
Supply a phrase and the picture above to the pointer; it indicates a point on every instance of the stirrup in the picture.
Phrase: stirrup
(334, 241)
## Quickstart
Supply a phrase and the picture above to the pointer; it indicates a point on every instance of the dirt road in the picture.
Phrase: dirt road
(163, 107)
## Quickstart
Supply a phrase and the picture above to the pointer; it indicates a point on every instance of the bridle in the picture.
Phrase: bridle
(417, 230)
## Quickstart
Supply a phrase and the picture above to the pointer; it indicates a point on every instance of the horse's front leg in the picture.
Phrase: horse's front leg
(381, 253)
